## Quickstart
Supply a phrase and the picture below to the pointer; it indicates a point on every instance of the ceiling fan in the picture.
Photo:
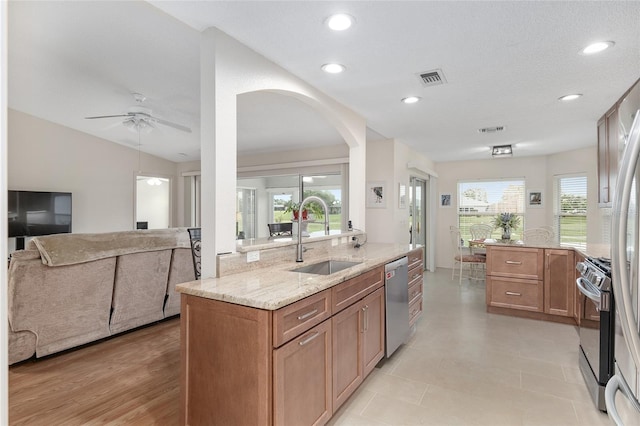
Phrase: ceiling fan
(139, 118)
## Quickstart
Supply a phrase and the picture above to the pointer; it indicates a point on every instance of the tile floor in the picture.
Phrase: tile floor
(464, 366)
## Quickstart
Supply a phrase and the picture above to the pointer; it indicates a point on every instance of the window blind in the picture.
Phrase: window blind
(571, 210)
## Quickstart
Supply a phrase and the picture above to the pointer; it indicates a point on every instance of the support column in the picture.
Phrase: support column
(218, 147)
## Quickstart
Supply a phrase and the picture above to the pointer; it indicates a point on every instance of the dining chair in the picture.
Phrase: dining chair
(277, 229)
(538, 236)
(462, 255)
(195, 235)
(479, 232)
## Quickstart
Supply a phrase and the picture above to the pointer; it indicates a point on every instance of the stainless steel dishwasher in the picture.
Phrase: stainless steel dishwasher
(396, 288)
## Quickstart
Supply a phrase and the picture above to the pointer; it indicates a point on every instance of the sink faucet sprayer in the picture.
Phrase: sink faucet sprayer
(326, 222)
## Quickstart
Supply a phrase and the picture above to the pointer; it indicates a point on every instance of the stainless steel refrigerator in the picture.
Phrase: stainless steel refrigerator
(622, 393)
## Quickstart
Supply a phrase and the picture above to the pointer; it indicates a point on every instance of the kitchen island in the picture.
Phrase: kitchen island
(536, 281)
(275, 346)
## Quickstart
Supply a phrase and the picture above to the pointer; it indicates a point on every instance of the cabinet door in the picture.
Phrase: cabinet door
(577, 308)
(612, 149)
(302, 378)
(559, 288)
(603, 163)
(373, 330)
(347, 327)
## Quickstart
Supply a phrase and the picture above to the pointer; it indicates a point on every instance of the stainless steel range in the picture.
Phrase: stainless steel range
(597, 315)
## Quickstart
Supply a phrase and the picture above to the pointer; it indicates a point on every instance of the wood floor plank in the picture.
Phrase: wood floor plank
(131, 379)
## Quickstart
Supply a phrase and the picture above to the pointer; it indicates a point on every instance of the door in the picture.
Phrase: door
(302, 378)
(418, 213)
(153, 202)
(625, 267)
(559, 286)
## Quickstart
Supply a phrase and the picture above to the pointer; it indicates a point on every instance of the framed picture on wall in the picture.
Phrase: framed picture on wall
(445, 200)
(402, 196)
(376, 195)
(534, 199)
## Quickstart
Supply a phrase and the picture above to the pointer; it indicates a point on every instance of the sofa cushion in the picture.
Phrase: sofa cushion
(68, 249)
(140, 289)
(64, 307)
(181, 271)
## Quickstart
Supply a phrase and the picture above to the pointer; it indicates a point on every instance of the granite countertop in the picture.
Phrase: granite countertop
(273, 287)
(591, 250)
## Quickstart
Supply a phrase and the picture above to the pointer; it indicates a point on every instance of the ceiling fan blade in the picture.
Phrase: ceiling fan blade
(170, 124)
(108, 116)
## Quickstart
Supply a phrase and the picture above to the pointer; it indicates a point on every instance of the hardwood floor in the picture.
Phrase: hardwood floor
(130, 379)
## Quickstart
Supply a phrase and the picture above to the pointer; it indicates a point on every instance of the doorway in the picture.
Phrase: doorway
(418, 213)
(153, 202)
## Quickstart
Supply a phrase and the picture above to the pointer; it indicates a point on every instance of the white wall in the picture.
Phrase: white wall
(44, 156)
(387, 162)
(538, 173)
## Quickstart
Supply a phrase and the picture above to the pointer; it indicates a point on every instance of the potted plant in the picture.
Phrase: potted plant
(314, 208)
(507, 222)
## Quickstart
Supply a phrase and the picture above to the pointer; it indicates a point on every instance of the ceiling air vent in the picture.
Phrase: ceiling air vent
(495, 129)
(432, 78)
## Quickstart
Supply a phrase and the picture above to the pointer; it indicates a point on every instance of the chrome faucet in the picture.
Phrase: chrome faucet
(326, 222)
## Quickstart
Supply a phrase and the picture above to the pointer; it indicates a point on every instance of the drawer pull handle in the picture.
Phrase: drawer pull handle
(512, 262)
(512, 293)
(308, 339)
(307, 315)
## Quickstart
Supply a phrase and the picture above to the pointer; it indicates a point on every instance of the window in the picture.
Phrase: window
(479, 201)
(571, 210)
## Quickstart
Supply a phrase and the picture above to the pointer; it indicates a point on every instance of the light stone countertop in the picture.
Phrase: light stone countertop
(273, 287)
(592, 249)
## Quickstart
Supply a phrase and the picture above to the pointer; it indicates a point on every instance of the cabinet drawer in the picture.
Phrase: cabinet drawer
(414, 257)
(415, 291)
(515, 293)
(415, 310)
(516, 262)
(351, 291)
(295, 319)
(415, 275)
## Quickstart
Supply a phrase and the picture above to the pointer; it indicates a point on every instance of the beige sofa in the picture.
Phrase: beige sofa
(70, 289)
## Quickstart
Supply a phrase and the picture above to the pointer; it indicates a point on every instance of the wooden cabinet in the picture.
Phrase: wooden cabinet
(607, 156)
(611, 133)
(292, 366)
(358, 344)
(559, 283)
(302, 375)
(532, 282)
(416, 273)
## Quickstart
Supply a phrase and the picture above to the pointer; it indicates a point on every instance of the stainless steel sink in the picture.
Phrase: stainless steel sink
(327, 267)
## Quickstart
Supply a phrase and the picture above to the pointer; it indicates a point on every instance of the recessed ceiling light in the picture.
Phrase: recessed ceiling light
(333, 68)
(570, 97)
(411, 99)
(339, 21)
(597, 47)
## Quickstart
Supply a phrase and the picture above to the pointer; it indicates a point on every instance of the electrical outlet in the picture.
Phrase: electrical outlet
(253, 256)
(334, 242)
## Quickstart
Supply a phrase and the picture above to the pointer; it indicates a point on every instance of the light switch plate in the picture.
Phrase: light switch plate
(253, 256)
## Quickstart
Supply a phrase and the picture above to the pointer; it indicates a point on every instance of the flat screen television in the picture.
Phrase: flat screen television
(33, 213)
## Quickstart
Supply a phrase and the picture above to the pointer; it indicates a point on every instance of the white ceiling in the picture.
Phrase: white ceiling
(506, 63)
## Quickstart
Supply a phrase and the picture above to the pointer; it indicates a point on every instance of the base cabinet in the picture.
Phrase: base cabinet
(302, 374)
(532, 282)
(358, 344)
(559, 285)
(293, 366)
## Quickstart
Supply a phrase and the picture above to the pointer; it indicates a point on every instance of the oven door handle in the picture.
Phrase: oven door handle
(584, 290)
